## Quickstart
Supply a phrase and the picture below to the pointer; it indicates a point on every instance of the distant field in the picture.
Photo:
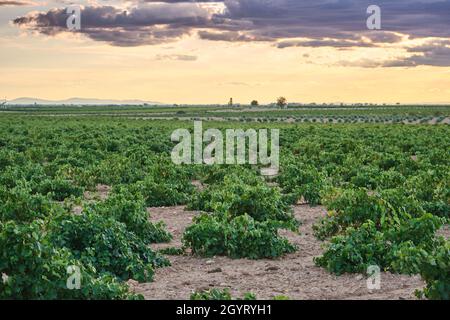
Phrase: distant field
(224, 111)
(301, 114)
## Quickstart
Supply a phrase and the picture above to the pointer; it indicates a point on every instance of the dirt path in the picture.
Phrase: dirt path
(294, 275)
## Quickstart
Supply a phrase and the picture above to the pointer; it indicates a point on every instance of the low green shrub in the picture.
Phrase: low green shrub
(355, 251)
(302, 181)
(59, 189)
(130, 209)
(106, 244)
(237, 196)
(20, 204)
(353, 207)
(32, 268)
(373, 244)
(219, 294)
(432, 265)
(172, 251)
(159, 192)
(238, 237)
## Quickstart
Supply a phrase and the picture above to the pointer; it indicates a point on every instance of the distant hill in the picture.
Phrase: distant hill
(79, 101)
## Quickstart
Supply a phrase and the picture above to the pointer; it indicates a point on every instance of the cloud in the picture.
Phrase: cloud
(338, 24)
(435, 53)
(432, 53)
(179, 57)
(230, 36)
(15, 3)
(324, 43)
(153, 24)
(383, 37)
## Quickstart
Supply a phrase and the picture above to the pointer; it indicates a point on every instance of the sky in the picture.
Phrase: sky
(189, 52)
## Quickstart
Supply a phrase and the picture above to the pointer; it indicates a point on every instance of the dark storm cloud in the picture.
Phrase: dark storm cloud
(321, 23)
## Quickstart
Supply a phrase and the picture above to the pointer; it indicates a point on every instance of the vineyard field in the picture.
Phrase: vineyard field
(100, 193)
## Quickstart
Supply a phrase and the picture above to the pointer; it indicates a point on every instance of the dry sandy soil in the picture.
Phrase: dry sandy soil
(293, 275)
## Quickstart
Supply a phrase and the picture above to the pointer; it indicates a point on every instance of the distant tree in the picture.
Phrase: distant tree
(254, 103)
(282, 102)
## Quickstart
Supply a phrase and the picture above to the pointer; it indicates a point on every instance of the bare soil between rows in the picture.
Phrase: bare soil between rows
(294, 275)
